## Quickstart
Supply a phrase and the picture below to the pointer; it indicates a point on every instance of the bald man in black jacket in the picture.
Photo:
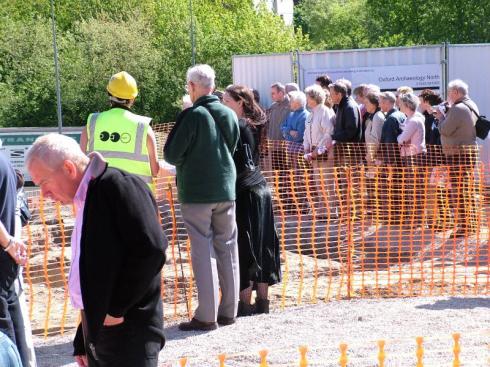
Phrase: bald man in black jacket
(118, 250)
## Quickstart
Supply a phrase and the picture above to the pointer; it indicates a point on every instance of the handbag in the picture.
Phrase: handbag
(482, 125)
(245, 159)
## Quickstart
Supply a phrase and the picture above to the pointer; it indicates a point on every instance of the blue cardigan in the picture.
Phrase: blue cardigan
(295, 121)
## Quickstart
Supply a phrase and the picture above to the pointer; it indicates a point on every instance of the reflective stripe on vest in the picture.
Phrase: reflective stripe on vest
(134, 161)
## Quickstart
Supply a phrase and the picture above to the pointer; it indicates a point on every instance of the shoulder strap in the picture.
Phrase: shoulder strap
(471, 109)
(220, 130)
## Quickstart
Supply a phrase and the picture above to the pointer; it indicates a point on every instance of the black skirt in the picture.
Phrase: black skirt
(258, 244)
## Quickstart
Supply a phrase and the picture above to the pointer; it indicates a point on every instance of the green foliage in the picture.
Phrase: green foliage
(98, 48)
(430, 22)
(151, 40)
(335, 24)
(26, 74)
(239, 29)
(96, 38)
(342, 24)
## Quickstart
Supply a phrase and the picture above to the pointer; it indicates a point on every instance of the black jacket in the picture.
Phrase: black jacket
(432, 135)
(347, 122)
(122, 253)
(392, 127)
(389, 151)
(8, 199)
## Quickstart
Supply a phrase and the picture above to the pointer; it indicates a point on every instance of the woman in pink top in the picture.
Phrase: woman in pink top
(413, 153)
(412, 138)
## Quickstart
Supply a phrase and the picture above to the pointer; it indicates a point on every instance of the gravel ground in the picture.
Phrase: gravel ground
(322, 327)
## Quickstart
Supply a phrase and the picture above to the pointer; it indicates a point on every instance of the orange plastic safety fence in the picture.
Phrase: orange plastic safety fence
(347, 229)
(435, 351)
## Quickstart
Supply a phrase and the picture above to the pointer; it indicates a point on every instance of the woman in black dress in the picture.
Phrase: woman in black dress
(258, 244)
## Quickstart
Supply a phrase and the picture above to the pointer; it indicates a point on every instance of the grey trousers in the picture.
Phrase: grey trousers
(214, 251)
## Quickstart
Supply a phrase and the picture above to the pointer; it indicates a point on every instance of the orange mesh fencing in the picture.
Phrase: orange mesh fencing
(431, 351)
(348, 228)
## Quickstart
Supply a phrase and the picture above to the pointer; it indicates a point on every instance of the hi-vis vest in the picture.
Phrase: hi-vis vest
(120, 136)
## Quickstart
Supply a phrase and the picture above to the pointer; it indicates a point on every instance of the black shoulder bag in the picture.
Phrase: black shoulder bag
(245, 159)
(482, 125)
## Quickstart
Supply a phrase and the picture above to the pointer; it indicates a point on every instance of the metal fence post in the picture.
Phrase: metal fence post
(57, 72)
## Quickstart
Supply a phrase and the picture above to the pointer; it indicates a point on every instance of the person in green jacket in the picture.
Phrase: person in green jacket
(201, 146)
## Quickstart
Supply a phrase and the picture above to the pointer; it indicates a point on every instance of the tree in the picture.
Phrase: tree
(335, 24)
(26, 74)
(148, 38)
(341, 24)
(240, 29)
(99, 48)
(423, 22)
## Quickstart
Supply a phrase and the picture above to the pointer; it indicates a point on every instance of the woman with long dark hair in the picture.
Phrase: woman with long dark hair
(258, 244)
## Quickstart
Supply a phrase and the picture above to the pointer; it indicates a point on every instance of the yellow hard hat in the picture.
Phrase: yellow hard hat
(123, 86)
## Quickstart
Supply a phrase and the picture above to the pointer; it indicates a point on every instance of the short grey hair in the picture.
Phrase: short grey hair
(316, 93)
(279, 87)
(290, 87)
(458, 85)
(53, 149)
(298, 96)
(410, 100)
(388, 96)
(201, 74)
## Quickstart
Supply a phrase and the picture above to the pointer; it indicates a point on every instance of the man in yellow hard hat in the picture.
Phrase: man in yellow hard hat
(124, 139)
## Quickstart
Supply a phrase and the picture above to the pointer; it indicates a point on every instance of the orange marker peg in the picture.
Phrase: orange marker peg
(183, 362)
(343, 355)
(420, 351)
(456, 350)
(302, 351)
(381, 353)
(222, 358)
(263, 358)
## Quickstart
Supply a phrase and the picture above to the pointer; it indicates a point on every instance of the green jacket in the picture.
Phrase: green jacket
(202, 152)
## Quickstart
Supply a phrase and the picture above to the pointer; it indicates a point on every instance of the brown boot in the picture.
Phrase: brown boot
(196, 325)
(261, 305)
(245, 309)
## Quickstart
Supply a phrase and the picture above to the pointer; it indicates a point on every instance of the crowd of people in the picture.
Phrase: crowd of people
(118, 246)
(397, 137)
